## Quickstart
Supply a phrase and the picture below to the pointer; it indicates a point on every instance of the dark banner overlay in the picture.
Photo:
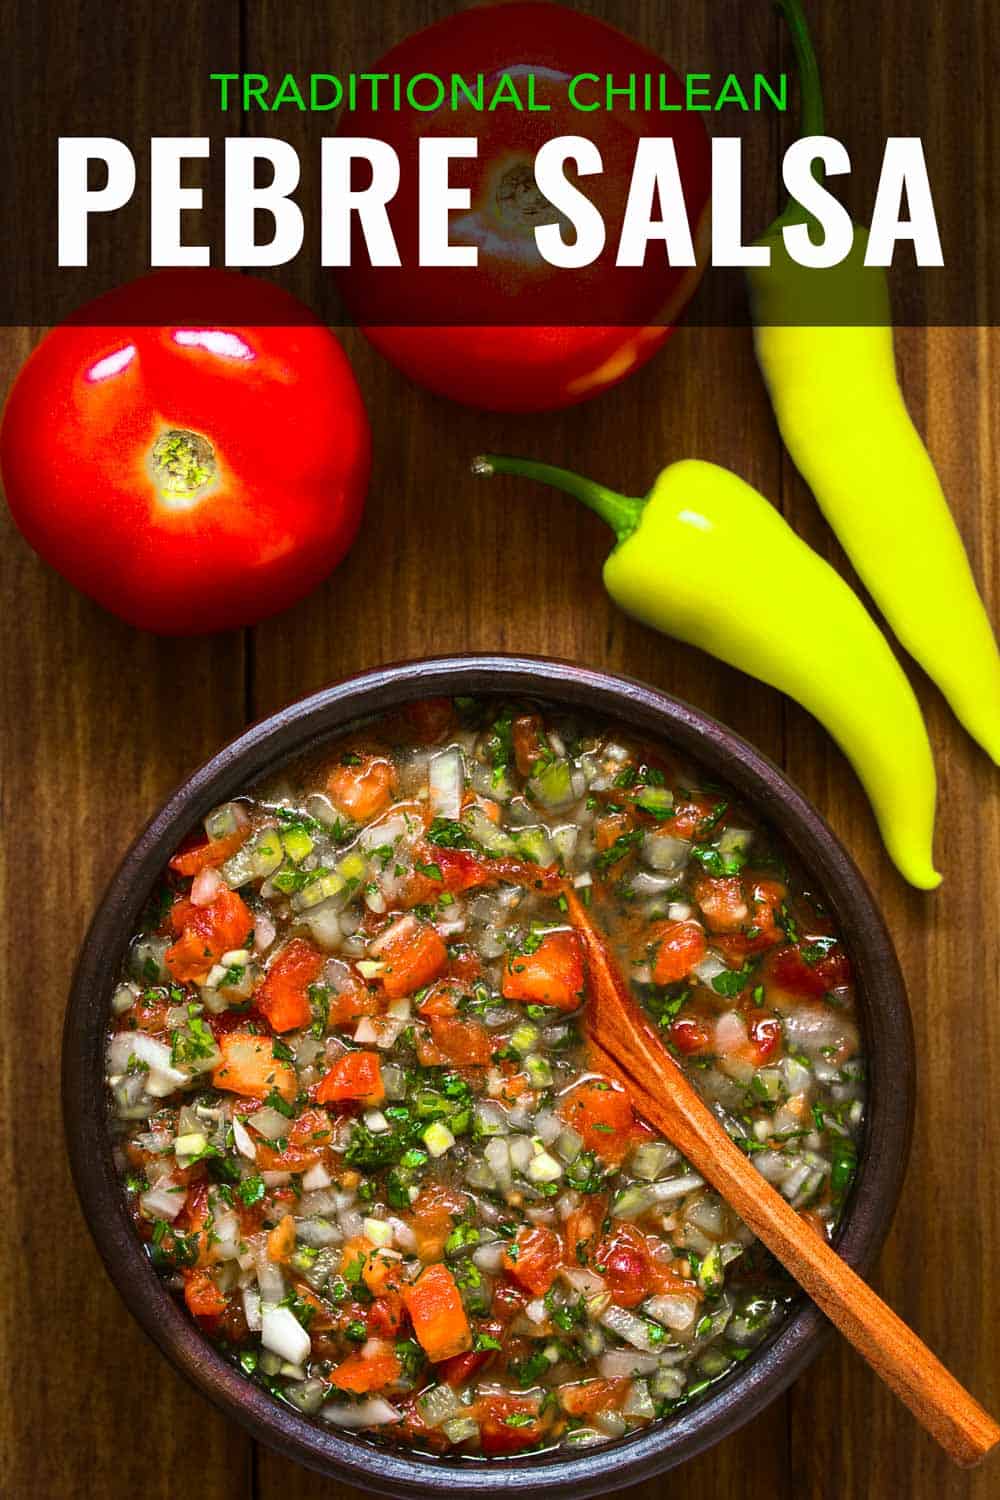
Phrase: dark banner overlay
(426, 163)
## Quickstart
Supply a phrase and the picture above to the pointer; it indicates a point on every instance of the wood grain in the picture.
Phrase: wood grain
(98, 722)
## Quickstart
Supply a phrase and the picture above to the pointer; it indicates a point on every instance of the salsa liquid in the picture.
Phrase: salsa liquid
(354, 1113)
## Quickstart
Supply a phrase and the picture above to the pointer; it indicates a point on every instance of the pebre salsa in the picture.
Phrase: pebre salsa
(353, 1111)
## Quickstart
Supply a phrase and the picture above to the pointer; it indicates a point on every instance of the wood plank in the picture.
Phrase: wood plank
(90, 746)
(937, 1268)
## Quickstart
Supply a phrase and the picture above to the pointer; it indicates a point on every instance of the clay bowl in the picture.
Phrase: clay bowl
(302, 727)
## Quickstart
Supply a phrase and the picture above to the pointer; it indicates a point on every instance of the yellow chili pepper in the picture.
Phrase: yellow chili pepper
(842, 416)
(707, 559)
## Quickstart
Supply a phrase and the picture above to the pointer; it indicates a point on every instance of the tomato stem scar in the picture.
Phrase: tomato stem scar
(183, 464)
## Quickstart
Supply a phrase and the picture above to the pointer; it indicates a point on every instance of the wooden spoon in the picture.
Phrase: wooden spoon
(625, 1047)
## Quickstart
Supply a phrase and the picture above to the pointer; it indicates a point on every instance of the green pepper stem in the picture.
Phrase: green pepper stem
(621, 512)
(810, 88)
(811, 118)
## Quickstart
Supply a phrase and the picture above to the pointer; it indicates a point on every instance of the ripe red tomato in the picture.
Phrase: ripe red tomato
(191, 451)
(545, 361)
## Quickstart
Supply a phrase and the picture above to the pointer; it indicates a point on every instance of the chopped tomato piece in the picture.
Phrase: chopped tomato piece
(432, 1218)
(609, 829)
(206, 933)
(351, 1003)
(283, 998)
(588, 1397)
(363, 787)
(356, 1075)
(414, 953)
(722, 901)
(367, 1371)
(681, 946)
(465, 1043)
(790, 971)
(281, 1239)
(581, 1230)
(526, 733)
(458, 870)
(385, 1316)
(441, 1001)
(461, 1367)
(382, 1273)
(690, 1035)
(437, 1313)
(194, 1220)
(761, 931)
(210, 854)
(437, 870)
(250, 1067)
(534, 1258)
(552, 975)
(623, 1260)
(765, 1039)
(508, 1423)
(308, 1136)
(202, 1295)
(430, 719)
(600, 1112)
(688, 817)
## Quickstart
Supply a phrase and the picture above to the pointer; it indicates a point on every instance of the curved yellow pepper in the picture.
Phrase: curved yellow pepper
(844, 422)
(706, 558)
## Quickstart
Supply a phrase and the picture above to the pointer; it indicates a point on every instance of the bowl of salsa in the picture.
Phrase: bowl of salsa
(331, 1112)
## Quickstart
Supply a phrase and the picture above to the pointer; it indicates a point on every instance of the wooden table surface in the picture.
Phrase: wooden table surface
(97, 723)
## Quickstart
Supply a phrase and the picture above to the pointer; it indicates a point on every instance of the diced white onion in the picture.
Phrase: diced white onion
(251, 1309)
(264, 932)
(243, 1139)
(283, 1334)
(673, 1311)
(270, 1123)
(675, 1187)
(710, 968)
(627, 1326)
(446, 781)
(317, 1177)
(163, 1202)
(372, 1413)
(205, 886)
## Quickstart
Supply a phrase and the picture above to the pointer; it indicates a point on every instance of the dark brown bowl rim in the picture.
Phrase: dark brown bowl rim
(297, 729)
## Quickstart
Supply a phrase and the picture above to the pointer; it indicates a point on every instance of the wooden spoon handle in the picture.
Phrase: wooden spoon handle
(661, 1092)
(963, 1428)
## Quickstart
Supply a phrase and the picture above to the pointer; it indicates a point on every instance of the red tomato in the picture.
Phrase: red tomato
(498, 1433)
(187, 461)
(552, 974)
(283, 998)
(681, 948)
(689, 1035)
(534, 366)
(765, 1036)
(356, 1075)
(600, 1112)
(623, 1260)
(534, 1258)
(790, 971)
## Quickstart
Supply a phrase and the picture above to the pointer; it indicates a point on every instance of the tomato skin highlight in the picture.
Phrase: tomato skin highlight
(200, 352)
(509, 343)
